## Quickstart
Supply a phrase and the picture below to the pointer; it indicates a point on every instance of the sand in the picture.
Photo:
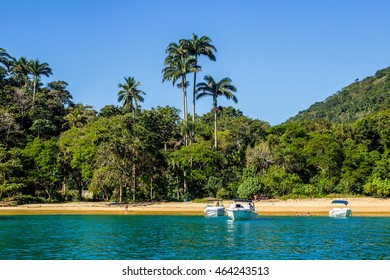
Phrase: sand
(273, 207)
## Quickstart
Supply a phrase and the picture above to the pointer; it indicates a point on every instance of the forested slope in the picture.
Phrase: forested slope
(359, 99)
(52, 149)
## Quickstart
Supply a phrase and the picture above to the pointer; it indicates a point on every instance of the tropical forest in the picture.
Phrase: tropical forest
(55, 150)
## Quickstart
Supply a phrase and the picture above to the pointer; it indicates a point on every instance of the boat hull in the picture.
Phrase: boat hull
(241, 214)
(340, 212)
(214, 211)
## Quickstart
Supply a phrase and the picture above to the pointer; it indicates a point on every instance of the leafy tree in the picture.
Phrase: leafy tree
(288, 141)
(162, 125)
(215, 89)
(324, 155)
(378, 187)
(278, 182)
(42, 127)
(21, 106)
(124, 157)
(11, 170)
(77, 159)
(214, 186)
(58, 93)
(78, 147)
(109, 111)
(373, 131)
(111, 173)
(44, 171)
(382, 166)
(196, 163)
(357, 166)
(260, 157)
(251, 184)
(8, 126)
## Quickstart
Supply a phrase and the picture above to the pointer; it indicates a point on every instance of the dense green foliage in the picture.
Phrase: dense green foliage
(54, 150)
(360, 99)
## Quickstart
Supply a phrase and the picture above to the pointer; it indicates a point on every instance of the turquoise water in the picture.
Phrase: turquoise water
(127, 237)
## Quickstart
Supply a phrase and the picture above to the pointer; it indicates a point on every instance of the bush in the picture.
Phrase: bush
(199, 200)
(249, 187)
(378, 187)
(28, 199)
(71, 195)
(224, 194)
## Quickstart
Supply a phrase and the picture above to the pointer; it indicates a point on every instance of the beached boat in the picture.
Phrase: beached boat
(214, 208)
(340, 211)
(242, 209)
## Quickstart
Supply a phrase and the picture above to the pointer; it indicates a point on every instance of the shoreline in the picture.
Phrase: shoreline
(292, 207)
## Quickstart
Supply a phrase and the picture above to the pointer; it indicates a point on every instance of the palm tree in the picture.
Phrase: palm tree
(172, 70)
(177, 65)
(37, 69)
(80, 115)
(215, 89)
(19, 68)
(196, 47)
(5, 58)
(130, 95)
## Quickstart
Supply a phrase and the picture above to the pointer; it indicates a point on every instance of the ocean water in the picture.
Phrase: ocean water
(137, 237)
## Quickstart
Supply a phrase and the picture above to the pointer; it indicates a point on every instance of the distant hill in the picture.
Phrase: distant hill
(355, 101)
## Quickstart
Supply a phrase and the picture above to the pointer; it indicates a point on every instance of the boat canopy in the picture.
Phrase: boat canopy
(242, 200)
(340, 201)
(213, 199)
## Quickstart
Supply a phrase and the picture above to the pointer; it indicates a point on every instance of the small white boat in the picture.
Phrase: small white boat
(242, 209)
(214, 208)
(340, 211)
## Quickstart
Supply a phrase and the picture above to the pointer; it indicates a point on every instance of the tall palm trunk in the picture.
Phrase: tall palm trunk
(193, 99)
(215, 129)
(185, 188)
(63, 190)
(151, 187)
(134, 185)
(184, 103)
(185, 109)
(120, 191)
(34, 88)
(215, 122)
(80, 193)
(192, 132)
(178, 186)
(194, 102)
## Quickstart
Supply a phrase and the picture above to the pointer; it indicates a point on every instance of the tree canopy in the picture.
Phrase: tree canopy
(52, 149)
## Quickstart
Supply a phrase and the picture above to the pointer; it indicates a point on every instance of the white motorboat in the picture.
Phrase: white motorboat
(242, 209)
(340, 211)
(214, 208)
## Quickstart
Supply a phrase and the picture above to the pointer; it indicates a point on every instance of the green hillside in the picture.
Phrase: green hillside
(353, 102)
(52, 149)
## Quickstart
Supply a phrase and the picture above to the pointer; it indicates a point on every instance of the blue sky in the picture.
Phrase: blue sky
(282, 56)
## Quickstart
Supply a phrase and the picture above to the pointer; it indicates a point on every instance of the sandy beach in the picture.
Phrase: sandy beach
(273, 207)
